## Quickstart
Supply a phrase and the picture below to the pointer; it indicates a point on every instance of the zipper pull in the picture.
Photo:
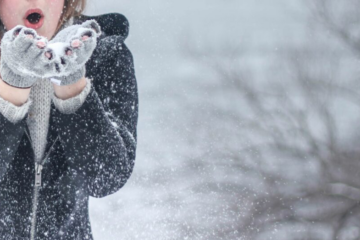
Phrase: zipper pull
(38, 169)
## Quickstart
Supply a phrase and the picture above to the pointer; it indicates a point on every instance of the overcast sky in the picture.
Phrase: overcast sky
(157, 27)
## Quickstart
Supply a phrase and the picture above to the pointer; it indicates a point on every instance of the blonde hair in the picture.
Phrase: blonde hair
(72, 8)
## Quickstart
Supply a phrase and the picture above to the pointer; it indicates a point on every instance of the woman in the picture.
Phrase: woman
(62, 143)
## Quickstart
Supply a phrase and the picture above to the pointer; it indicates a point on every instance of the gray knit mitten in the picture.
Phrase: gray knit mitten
(71, 48)
(23, 58)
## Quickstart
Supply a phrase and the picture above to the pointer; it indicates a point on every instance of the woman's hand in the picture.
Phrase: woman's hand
(71, 48)
(23, 58)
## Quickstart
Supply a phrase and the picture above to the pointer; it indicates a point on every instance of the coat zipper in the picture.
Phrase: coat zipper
(38, 173)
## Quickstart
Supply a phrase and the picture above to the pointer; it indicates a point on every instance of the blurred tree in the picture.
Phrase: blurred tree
(290, 138)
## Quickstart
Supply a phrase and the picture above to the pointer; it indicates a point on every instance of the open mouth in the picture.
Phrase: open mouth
(34, 18)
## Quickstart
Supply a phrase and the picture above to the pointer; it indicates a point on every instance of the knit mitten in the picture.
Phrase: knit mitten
(23, 58)
(71, 48)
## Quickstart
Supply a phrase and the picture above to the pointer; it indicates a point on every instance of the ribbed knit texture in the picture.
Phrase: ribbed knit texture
(38, 117)
(15, 78)
(12, 112)
(38, 107)
(72, 78)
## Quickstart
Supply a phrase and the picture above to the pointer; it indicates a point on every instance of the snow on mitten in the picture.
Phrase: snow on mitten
(23, 58)
(71, 48)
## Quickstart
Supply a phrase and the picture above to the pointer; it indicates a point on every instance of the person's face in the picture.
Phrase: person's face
(20, 12)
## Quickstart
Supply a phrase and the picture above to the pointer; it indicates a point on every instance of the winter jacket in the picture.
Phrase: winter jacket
(89, 153)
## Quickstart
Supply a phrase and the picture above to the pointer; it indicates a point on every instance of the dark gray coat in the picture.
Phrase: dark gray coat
(89, 153)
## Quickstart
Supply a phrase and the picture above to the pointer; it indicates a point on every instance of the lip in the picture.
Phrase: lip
(36, 25)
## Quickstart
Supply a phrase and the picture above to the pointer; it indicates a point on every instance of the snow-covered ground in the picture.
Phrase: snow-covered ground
(178, 190)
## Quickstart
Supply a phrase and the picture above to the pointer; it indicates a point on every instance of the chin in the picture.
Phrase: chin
(44, 33)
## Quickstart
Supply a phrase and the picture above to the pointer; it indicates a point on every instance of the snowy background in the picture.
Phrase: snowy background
(237, 137)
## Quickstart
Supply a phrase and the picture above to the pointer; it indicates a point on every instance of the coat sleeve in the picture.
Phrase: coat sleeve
(12, 127)
(100, 138)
